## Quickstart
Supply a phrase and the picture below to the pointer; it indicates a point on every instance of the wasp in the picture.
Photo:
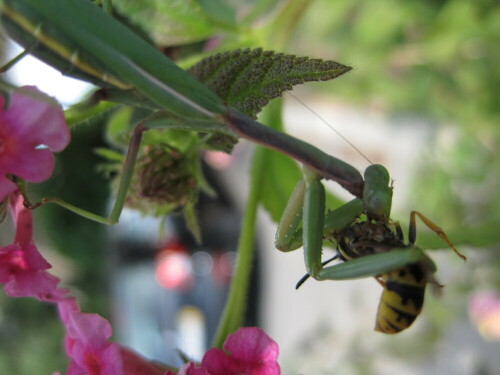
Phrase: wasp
(404, 288)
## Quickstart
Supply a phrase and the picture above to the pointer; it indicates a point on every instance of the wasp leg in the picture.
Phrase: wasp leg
(412, 232)
(380, 281)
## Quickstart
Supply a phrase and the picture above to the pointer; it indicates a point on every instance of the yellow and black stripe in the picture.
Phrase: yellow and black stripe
(402, 298)
(404, 288)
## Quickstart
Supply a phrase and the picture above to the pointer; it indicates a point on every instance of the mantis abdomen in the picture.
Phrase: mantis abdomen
(44, 41)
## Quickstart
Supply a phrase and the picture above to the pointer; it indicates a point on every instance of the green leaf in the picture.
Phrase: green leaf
(248, 79)
(192, 221)
(168, 23)
(109, 154)
(117, 131)
(221, 142)
(218, 11)
(372, 265)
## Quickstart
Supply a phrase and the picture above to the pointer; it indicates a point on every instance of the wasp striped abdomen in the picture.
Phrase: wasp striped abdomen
(402, 298)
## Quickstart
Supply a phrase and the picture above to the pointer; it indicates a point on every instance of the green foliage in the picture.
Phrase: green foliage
(170, 22)
(30, 337)
(248, 79)
(438, 59)
(280, 174)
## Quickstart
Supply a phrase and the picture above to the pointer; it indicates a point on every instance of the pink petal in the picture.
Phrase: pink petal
(23, 220)
(65, 307)
(30, 129)
(106, 360)
(22, 271)
(34, 259)
(8, 255)
(252, 352)
(86, 342)
(91, 329)
(56, 295)
(6, 186)
(111, 360)
(34, 165)
(251, 344)
(37, 284)
(74, 369)
(38, 119)
(216, 362)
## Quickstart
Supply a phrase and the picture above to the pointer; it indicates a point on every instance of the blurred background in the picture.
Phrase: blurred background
(422, 100)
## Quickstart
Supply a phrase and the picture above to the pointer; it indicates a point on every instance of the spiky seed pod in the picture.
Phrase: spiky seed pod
(163, 177)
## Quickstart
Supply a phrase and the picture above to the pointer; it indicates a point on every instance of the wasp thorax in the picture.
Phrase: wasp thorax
(163, 176)
(365, 238)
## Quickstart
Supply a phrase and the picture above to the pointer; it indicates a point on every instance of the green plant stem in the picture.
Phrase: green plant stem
(233, 314)
(232, 317)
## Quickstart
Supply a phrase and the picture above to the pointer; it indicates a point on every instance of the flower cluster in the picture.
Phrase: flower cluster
(31, 127)
(484, 310)
(87, 342)
(248, 351)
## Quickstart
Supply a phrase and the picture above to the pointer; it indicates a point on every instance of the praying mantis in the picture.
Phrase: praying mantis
(366, 244)
(94, 47)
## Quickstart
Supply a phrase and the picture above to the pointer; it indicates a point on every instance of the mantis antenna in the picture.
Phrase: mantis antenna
(332, 128)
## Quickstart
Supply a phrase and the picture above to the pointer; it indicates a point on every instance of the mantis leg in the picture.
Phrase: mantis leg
(288, 237)
(412, 232)
(313, 221)
(341, 217)
(122, 188)
(372, 265)
(14, 61)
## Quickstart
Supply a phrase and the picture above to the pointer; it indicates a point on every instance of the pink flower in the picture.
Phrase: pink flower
(87, 342)
(484, 310)
(22, 272)
(30, 129)
(22, 267)
(249, 352)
